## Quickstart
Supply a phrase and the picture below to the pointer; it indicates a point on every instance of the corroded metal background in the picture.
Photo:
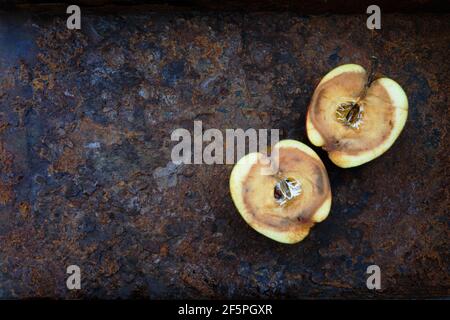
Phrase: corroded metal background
(85, 178)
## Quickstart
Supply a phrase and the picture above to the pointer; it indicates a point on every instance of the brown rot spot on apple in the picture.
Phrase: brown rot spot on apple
(285, 204)
(301, 219)
(319, 182)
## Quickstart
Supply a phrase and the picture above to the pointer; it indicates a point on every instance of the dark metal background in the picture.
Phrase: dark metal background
(85, 124)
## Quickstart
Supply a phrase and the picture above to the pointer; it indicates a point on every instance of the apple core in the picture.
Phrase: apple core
(286, 190)
(350, 114)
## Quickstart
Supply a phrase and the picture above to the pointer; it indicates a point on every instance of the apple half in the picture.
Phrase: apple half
(353, 120)
(282, 203)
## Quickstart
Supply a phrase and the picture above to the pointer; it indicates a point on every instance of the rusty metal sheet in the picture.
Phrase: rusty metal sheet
(85, 174)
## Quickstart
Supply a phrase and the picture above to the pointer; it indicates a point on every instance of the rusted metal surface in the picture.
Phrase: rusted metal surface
(303, 6)
(86, 179)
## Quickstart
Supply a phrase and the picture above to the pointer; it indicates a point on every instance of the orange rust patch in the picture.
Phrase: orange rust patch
(87, 132)
(67, 162)
(90, 130)
(109, 267)
(213, 50)
(6, 159)
(24, 208)
(7, 81)
(3, 126)
(42, 81)
(6, 193)
(164, 250)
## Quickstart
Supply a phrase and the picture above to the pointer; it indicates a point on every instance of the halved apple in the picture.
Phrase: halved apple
(353, 120)
(282, 204)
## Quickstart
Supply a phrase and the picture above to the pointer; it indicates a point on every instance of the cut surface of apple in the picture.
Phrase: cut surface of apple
(353, 120)
(282, 204)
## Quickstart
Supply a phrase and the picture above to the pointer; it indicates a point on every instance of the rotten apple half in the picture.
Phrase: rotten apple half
(354, 119)
(283, 201)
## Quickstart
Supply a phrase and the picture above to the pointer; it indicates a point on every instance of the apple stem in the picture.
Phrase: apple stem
(373, 70)
(370, 78)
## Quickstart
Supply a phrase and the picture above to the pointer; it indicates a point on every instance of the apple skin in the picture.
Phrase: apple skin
(398, 99)
(237, 181)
